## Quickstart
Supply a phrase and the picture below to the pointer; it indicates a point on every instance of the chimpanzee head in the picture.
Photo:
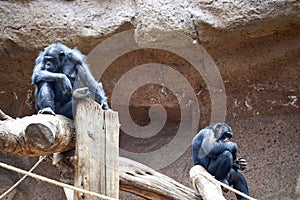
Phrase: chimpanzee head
(222, 131)
(54, 57)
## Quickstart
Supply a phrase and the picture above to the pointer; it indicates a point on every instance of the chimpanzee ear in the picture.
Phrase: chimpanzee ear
(61, 54)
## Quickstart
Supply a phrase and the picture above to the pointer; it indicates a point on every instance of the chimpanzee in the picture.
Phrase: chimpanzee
(212, 148)
(56, 74)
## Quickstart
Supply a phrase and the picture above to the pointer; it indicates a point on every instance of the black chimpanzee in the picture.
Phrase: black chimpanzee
(56, 74)
(212, 148)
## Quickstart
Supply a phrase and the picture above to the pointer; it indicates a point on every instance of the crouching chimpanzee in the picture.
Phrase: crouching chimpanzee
(56, 74)
(212, 149)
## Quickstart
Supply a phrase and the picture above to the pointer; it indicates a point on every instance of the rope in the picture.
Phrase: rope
(23, 178)
(228, 187)
(57, 183)
(54, 182)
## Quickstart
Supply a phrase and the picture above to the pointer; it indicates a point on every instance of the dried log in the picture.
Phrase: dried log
(36, 135)
(150, 184)
(143, 181)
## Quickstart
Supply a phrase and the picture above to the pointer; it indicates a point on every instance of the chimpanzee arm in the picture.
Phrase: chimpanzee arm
(206, 144)
(220, 146)
(95, 88)
(42, 75)
(87, 78)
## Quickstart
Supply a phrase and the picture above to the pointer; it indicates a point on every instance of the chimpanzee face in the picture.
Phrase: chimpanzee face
(226, 137)
(54, 59)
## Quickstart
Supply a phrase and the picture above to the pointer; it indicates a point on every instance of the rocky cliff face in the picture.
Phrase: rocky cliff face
(254, 46)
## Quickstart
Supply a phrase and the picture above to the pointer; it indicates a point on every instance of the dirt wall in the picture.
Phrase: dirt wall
(255, 46)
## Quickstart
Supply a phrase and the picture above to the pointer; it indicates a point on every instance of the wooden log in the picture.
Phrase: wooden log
(134, 177)
(201, 180)
(36, 135)
(150, 184)
(97, 150)
(143, 181)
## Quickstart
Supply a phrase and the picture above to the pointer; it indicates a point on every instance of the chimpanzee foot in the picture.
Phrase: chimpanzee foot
(225, 182)
(82, 93)
(47, 110)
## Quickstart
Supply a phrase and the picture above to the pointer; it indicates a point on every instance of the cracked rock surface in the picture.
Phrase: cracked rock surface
(255, 46)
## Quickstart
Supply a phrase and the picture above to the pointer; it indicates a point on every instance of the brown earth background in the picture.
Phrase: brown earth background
(254, 44)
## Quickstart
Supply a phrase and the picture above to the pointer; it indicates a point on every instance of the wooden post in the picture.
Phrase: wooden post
(202, 182)
(97, 150)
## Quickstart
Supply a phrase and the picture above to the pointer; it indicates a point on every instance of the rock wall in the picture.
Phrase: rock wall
(254, 44)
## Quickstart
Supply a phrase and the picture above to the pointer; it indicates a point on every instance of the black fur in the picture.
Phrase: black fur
(212, 149)
(54, 74)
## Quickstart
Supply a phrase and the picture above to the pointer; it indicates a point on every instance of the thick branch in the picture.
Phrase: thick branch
(138, 179)
(36, 135)
(146, 182)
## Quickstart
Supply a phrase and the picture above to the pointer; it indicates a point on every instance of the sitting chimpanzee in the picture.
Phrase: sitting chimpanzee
(212, 149)
(57, 73)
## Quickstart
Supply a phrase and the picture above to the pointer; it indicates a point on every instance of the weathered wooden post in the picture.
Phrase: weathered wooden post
(97, 150)
(202, 182)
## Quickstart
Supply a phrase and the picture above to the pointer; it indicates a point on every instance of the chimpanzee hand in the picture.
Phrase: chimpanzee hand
(66, 85)
(100, 97)
(240, 163)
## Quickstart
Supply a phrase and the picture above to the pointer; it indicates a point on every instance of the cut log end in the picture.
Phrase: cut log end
(39, 136)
